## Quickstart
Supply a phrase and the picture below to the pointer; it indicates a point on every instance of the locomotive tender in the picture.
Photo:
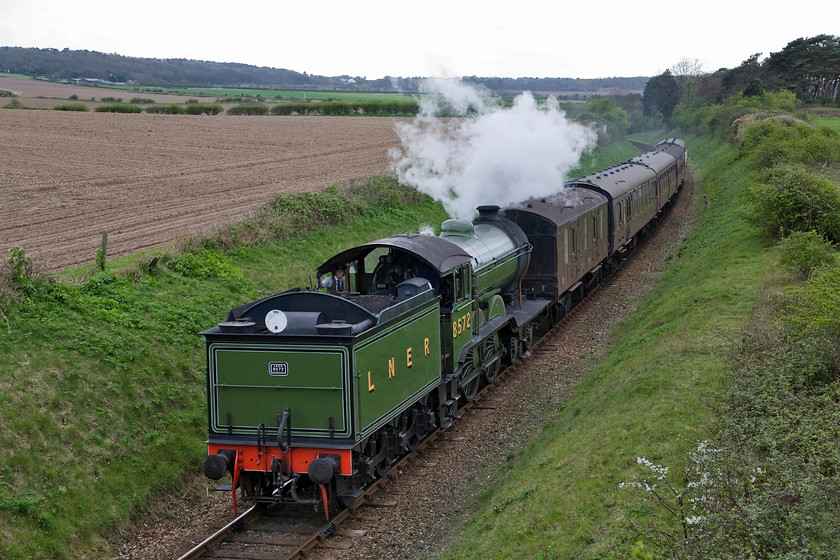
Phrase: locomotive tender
(312, 395)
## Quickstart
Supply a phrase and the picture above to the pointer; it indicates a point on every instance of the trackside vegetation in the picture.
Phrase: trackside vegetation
(709, 427)
(102, 379)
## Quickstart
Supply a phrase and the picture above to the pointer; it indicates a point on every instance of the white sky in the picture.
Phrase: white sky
(444, 38)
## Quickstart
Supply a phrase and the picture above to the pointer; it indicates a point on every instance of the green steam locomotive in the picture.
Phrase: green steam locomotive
(314, 393)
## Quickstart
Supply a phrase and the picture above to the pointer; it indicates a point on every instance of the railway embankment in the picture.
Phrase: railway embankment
(706, 423)
(102, 383)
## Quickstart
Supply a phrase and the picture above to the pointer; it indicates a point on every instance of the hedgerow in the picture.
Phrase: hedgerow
(772, 142)
(169, 109)
(252, 109)
(119, 108)
(203, 108)
(370, 108)
(72, 107)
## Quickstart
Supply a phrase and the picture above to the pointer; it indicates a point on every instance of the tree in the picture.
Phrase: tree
(661, 95)
(754, 88)
(686, 71)
(808, 67)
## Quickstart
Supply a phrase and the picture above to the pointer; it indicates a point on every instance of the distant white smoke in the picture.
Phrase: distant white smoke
(494, 156)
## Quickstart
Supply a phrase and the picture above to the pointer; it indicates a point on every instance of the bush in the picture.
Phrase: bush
(336, 108)
(203, 108)
(18, 271)
(14, 104)
(249, 109)
(282, 109)
(813, 309)
(119, 108)
(767, 487)
(171, 109)
(805, 252)
(787, 140)
(71, 107)
(142, 100)
(790, 198)
(206, 263)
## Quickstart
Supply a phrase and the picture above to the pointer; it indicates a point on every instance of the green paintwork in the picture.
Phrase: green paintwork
(462, 326)
(393, 385)
(313, 387)
(256, 382)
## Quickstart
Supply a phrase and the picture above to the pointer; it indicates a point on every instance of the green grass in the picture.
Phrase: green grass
(282, 94)
(16, 76)
(832, 123)
(102, 384)
(647, 397)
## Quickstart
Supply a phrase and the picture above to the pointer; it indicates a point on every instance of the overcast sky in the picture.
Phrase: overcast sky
(444, 38)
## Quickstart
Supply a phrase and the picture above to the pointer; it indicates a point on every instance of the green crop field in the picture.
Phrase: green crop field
(281, 94)
(832, 123)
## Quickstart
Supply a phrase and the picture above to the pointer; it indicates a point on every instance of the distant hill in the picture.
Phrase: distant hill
(75, 64)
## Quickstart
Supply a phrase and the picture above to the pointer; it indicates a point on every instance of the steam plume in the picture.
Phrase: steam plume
(496, 156)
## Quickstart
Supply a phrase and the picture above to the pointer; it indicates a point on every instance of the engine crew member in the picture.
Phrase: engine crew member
(336, 283)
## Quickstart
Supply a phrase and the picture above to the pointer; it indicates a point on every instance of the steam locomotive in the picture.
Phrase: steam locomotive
(312, 394)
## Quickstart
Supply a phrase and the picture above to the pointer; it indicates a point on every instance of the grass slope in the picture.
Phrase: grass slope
(560, 497)
(102, 382)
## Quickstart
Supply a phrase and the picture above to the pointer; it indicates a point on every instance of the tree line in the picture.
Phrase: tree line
(807, 67)
(111, 67)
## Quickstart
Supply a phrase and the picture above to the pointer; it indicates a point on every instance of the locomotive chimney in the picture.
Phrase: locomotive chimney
(488, 213)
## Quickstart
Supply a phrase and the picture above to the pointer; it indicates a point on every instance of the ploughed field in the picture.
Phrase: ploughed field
(151, 179)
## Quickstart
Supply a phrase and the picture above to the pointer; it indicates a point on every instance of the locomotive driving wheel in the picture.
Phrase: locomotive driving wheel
(469, 389)
(490, 348)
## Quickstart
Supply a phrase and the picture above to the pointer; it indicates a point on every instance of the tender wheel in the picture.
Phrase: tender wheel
(408, 423)
(386, 441)
(254, 484)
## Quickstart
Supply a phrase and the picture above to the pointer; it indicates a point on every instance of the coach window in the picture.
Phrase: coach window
(585, 235)
(566, 244)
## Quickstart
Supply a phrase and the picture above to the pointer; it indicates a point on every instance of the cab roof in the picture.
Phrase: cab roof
(440, 254)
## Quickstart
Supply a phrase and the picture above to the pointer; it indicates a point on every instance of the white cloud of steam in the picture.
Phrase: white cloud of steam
(495, 156)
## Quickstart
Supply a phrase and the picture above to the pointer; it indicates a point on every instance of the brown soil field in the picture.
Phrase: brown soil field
(152, 179)
(38, 94)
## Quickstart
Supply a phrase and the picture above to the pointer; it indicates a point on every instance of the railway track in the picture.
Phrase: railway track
(292, 532)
